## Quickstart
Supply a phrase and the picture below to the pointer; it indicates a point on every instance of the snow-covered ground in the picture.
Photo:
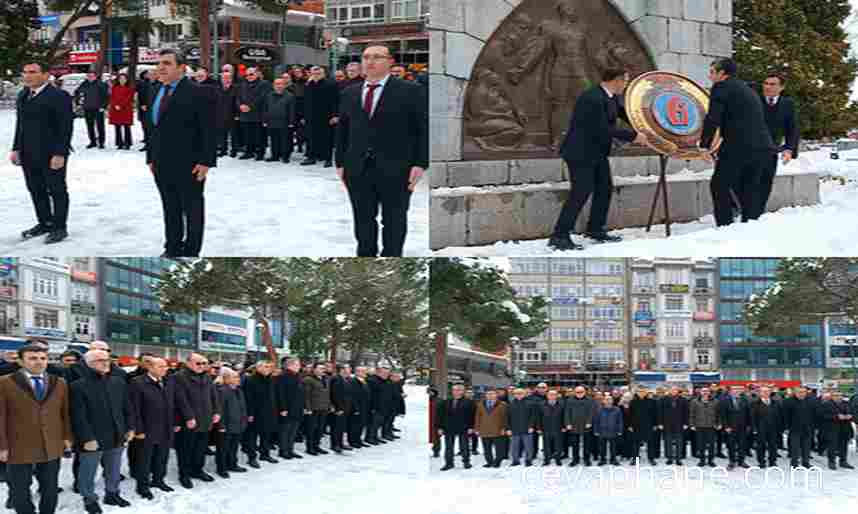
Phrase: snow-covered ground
(252, 208)
(621, 490)
(388, 478)
(827, 229)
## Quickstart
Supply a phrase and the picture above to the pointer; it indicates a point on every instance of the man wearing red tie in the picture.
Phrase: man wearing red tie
(382, 152)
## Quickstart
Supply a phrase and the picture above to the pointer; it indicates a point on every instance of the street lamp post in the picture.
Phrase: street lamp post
(285, 5)
(514, 345)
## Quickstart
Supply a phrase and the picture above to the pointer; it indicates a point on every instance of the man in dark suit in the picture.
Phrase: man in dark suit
(782, 121)
(747, 148)
(766, 423)
(290, 405)
(341, 399)
(144, 98)
(734, 411)
(320, 110)
(358, 421)
(180, 151)
(96, 98)
(382, 152)
(456, 417)
(43, 131)
(588, 143)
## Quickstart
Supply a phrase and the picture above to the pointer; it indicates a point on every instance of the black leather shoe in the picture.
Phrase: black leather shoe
(563, 244)
(295, 456)
(329, 164)
(56, 236)
(321, 451)
(237, 469)
(101, 146)
(36, 231)
(284, 456)
(116, 500)
(603, 237)
(205, 477)
(146, 494)
(447, 467)
(92, 507)
(253, 463)
(162, 486)
(308, 162)
(467, 465)
(272, 159)
(223, 474)
(186, 482)
(233, 154)
(269, 458)
(260, 157)
(246, 157)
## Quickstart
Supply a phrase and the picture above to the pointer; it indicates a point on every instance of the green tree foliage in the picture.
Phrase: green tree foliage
(17, 19)
(805, 40)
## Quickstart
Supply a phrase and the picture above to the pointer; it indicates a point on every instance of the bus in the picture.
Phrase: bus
(477, 370)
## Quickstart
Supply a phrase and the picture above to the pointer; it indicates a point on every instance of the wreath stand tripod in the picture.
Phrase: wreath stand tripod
(661, 190)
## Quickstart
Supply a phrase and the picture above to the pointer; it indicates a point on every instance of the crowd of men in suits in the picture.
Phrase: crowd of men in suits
(757, 129)
(90, 409)
(605, 427)
(373, 122)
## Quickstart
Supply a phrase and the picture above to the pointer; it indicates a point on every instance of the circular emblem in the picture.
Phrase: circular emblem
(676, 113)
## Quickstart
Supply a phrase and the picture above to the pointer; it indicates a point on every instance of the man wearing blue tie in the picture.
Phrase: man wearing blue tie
(180, 151)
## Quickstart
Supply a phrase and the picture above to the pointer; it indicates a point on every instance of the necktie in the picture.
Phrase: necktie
(490, 405)
(370, 97)
(772, 101)
(165, 101)
(39, 388)
(455, 404)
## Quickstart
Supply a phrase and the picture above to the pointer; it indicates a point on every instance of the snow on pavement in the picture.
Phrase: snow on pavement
(827, 229)
(252, 208)
(389, 478)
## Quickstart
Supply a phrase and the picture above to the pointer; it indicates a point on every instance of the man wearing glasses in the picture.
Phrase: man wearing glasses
(200, 410)
(382, 152)
(251, 95)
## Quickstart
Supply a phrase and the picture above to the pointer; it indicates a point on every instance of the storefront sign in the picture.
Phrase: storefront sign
(676, 365)
(704, 316)
(256, 54)
(644, 340)
(45, 332)
(7, 292)
(6, 267)
(673, 288)
(84, 276)
(678, 377)
(384, 30)
(643, 316)
(607, 300)
(604, 323)
(224, 329)
(83, 58)
(675, 314)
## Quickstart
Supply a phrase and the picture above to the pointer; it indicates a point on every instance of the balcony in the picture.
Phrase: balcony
(643, 341)
(704, 342)
(704, 316)
(704, 291)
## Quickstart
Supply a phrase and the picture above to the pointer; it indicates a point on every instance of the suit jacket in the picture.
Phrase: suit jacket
(101, 410)
(290, 395)
(199, 400)
(766, 420)
(43, 127)
(33, 431)
(738, 111)
(397, 133)
(459, 420)
(260, 394)
(673, 414)
(341, 395)
(183, 136)
(593, 127)
(736, 417)
(155, 409)
(360, 397)
(491, 423)
(782, 122)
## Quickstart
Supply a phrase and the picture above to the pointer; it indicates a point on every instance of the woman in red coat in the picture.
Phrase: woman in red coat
(122, 110)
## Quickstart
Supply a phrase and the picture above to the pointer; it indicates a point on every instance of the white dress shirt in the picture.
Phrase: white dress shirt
(376, 94)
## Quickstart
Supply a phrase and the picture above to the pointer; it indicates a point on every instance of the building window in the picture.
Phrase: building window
(703, 358)
(702, 304)
(46, 318)
(81, 325)
(565, 313)
(674, 303)
(45, 285)
(171, 33)
(599, 267)
(675, 355)
(566, 291)
(80, 264)
(405, 9)
(675, 329)
(644, 279)
(258, 31)
(562, 266)
(701, 281)
(643, 306)
(674, 276)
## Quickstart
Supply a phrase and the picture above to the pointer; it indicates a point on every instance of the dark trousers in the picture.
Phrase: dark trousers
(150, 461)
(646, 436)
(281, 142)
(841, 442)
(321, 142)
(356, 423)
(767, 443)
(375, 425)
(49, 193)
(606, 443)
(94, 123)
(503, 448)
(20, 476)
(123, 135)
(184, 209)
(464, 448)
(474, 441)
(673, 445)
(737, 445)
(387, 426)
(491, 449)
(288, 431)
(226, 455)
(706, 443)
(552, 445)
(586, 180)
(252, 132)
(191, 450)
(300, 132)
(767, 182)
(315, 427)
(144, 124)
(799, 447)
(257, 441)
(369, 191)
(575, 443)
(742, 175)
(338, 430)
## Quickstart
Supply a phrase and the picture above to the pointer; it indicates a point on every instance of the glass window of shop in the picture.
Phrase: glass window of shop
(748, 267)
(276, 328)
(262, 31)
(805, 357)
(567, 266)
(768, 357)
(735, 357)
(46, 318)
(224, 319)
(221, 338)
(122, 330)
(405, 9)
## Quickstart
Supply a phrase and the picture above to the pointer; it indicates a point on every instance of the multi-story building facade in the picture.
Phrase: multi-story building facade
(130, 314)
(673, 321)
(84, 297)
(44, 305)
(398, 24)
(744, 356)
(587, 339)
(9, 313)
(841, 347)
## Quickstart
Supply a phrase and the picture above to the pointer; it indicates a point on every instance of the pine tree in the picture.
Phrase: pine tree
(17, 19)
(804, 40)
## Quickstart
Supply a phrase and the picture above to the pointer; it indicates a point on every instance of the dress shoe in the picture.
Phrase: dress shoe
(223, 474)
(397, 430)
(467, 465)
(720, 455)
(269, 458)
(603, 237)
(36, 231)
(308, 162)
(347, 448)
(237, 469)
(92, 507)
(284, 456)
(91, 145)
(314, 453)
(488, 465)
(447, 467)
(329, 164)
(563, 243)
(233, 154)
(186, 482)
(321, 451)
(162, 486)
(615, 463)
(743, 465)
(143, 149)
(260, 157)
(295, 456)
(246, 157)
(272, 159)
(101, 146)
(253, 463)
(205, 477)
(56, 236)
(338, 451)
(528, 463)
(669, 462)
(146, 494)
(116, 500)
(846, 465)
(286, 160)
(9, 503)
